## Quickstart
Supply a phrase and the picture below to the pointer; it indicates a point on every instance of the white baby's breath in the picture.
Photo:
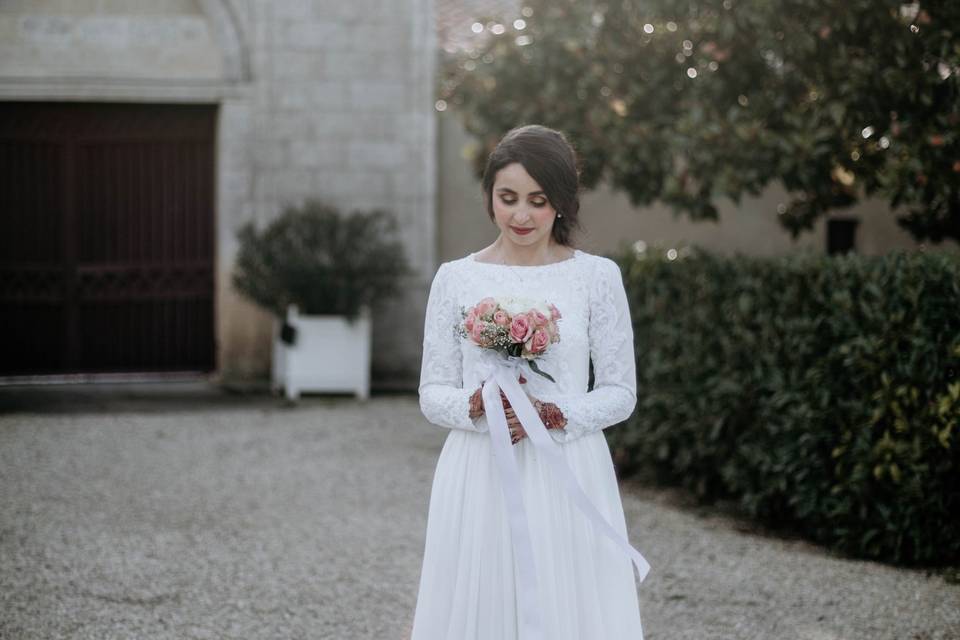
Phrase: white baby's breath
(514, 305)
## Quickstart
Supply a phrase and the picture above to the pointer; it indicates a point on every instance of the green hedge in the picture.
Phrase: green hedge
(822, 393)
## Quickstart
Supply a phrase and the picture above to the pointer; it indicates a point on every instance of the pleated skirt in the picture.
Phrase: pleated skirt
(587, 586)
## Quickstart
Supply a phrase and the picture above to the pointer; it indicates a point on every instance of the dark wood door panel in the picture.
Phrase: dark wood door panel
(106, 238)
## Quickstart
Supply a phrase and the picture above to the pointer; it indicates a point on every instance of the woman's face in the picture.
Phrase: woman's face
(519, 203)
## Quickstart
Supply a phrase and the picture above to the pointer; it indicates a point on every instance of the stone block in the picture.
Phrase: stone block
(293, 9)
(272, 153)
(315, 36)
(316, 153)
(373, 95)
(294, 184)
(393, 37)
(265, 184)
(372, 182)
(305, 65)
(238, 183)
(384, 155)
(406, 180)
(378, 126)
(289, 125)
(347, 64)
(295, 95)
(366, 64)
(331, 94)
(338, 124)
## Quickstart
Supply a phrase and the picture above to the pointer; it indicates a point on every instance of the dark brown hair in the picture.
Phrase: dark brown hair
(552, 162)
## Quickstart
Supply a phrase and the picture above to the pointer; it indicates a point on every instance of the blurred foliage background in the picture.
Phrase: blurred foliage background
(821, 393)
(688, 101)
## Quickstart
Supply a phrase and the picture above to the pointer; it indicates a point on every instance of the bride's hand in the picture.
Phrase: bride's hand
(549, 413)
(476, 401)
(517, 432)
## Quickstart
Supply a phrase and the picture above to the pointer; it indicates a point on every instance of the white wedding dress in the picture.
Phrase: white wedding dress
(587, 586)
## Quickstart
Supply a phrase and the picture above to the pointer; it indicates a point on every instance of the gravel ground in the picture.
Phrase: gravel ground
(180, 512)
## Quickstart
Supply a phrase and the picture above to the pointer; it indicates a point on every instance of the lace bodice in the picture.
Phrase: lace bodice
(595, 324)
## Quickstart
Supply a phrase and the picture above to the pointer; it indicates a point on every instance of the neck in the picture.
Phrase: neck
(533, 255)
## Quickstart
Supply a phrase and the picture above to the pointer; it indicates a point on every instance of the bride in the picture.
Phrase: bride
(579, 584)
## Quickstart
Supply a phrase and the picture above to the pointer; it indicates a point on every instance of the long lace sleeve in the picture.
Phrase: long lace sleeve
(610, 334)
(443, 400)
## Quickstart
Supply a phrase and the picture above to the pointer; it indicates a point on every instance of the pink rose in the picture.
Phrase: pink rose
(538, 318)
(486, 306)
(469, 321)
(520, 328)
(554, 312)
(501, 318)
(477, 331)
(538, 341)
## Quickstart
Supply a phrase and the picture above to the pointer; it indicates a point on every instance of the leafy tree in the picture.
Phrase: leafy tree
(687, 101)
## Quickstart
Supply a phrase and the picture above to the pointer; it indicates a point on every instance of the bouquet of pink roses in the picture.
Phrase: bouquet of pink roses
(516, 327)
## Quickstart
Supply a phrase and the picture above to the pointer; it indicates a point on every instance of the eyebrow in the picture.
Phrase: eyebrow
(508, 189)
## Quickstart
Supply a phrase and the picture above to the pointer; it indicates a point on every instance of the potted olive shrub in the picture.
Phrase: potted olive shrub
(321, 274)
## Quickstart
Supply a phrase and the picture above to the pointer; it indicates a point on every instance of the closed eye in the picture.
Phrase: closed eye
(537, 203)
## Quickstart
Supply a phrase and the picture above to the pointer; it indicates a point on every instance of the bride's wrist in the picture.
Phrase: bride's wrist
(476, 404)
(550, 414)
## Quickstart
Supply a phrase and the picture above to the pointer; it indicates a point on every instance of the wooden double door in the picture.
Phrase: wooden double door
(106, 238)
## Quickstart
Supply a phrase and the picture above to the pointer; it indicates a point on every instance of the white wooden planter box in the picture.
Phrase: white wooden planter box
(329, 355)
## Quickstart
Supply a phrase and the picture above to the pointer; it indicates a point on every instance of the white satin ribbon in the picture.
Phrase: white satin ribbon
(503, 375)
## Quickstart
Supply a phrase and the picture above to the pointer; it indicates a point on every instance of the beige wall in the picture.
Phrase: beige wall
(608, 218)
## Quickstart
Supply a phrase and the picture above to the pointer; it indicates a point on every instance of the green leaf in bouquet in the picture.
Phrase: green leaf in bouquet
(536, 369)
